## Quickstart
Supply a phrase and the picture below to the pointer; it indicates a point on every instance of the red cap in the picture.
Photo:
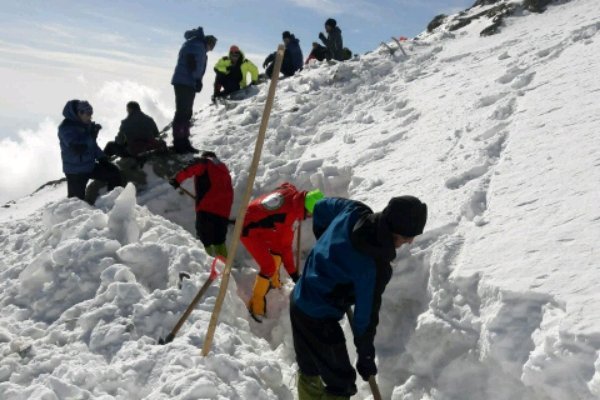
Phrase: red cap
(234, 49)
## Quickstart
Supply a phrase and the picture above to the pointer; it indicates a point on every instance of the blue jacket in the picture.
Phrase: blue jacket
(348, 265)
(78, 147)
(191, 62)
(294, 53)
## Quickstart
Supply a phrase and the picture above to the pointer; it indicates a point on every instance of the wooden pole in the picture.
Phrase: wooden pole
(239, 221)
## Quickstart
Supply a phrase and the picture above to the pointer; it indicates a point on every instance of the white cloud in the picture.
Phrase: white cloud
(359, 8)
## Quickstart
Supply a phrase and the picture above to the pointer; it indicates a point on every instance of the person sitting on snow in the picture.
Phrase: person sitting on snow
(292, 58)
(349, 265)
(82, 159)
(138, 134)
(268, 236)
(333, 41)
(318, 53)
(214, 198)
(232, 73)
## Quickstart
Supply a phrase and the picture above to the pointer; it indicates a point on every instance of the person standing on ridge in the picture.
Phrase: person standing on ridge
(232, 73)
(349, 265)
(333, 41)
(292, 58)
(82, 159)
(214, 198)
(268, 236)
(187, 81)
(138, 134)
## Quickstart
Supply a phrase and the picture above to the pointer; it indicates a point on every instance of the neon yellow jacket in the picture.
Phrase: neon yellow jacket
(222, 66)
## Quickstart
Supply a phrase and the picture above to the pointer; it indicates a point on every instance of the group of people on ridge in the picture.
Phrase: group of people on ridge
(348, 266)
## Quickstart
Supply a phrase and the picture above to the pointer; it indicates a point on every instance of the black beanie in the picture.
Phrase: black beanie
(331, 22)
(286, 35)
(405, 215)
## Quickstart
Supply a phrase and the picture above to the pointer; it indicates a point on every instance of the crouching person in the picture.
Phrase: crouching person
(82, 159)
(349, 265)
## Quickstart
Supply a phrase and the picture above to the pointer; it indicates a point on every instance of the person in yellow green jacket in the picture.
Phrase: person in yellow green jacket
(232, 73)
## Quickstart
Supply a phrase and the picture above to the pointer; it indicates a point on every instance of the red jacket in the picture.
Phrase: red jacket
(214, 191)
(270, 221)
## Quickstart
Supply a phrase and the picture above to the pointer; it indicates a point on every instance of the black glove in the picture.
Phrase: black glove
(295, 276)
(366, 367)
(103, 161)
(78, 148)
(322, 37)
(198, 85)
(173, 182)
(253, 83)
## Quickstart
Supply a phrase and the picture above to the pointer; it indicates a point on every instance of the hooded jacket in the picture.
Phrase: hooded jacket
(335, 44)
(138, 132)
(349, 265)
(191, 62)
(78, 148)
(293, 54)
(224, 66)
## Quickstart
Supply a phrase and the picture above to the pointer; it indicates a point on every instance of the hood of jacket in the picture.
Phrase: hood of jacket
(70, 111)
(369, 238)
(197, 33)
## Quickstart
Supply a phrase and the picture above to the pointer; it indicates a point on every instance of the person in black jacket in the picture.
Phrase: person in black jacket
(333, 41)
(138, 133)
(292, 58)
(348, 266)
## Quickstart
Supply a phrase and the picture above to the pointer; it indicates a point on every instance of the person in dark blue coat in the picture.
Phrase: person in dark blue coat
(349, 265)
(187, 81)
(82, 159)
(333, 41)
(292, 58)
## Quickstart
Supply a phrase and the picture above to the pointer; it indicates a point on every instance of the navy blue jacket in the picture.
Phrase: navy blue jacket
(78, 147)
(191, 63)
(293, 53)
(349, 265)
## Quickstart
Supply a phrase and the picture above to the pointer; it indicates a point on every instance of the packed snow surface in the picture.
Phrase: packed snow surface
(497, 300)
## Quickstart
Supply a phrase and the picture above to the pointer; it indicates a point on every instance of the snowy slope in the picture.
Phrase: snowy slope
(497, 300)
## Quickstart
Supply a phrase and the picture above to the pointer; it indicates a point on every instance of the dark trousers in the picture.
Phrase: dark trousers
(184, 103)
(229, 84)
(211, 229)
(286, 70)
(320, 348)
(108, 173)
(116, 149)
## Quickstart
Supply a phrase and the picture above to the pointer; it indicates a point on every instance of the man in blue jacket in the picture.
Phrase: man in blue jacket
(349, 265)
(292, 58)
(81, 157)
(187, 81)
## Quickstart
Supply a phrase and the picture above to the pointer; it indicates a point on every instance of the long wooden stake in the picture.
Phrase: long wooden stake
(239, 221)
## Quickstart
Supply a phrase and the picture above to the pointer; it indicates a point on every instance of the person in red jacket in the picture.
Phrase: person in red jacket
(214, 197)
(268, 235)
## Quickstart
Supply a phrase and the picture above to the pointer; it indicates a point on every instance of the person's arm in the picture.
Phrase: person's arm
(121, 137)
(195, 169)
(337, 43)
(154, 129)
(270, 58)
(253, 71)
(221, 66)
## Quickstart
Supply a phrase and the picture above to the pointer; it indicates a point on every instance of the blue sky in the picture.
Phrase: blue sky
(110, 52)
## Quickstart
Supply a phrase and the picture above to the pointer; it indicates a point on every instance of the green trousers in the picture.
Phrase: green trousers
(312, 388)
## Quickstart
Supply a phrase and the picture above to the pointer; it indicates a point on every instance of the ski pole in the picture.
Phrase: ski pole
(372, 381)
(213, 275)
(237, 230)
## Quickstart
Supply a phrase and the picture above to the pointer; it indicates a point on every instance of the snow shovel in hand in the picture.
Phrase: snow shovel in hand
(372, 381)
(213, 275)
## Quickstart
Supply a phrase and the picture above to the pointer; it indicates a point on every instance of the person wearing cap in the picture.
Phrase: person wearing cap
(187, 81)
(292, 57)
(318, 53)
(268, 236)
(232, 73)
(348, 266)
(82, 159)
(333, 41)
(214, 197)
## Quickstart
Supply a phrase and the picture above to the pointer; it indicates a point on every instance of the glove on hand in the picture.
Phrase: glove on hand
(322, 36)
(103, 161)
(95, 129)
(366, 367)
(198, 85)
(173, 182)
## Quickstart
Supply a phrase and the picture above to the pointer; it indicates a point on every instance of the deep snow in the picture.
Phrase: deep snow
(497, 300)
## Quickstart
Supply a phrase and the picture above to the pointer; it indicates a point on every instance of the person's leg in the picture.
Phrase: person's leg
(184, 103)
(321, 351)
(269, 70)
(116, 149)
(205, 231)
(275, 279)
(76, 184)
(220, 235)
(258, 304)
(109, 173)
(230, 84)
